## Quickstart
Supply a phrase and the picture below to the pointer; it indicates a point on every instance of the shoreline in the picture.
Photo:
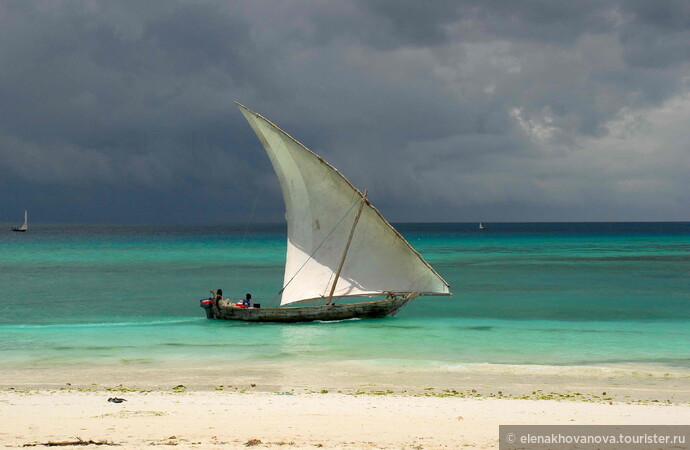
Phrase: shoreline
(222, 419)
(622, 383)
(349, 404)
(613, 396)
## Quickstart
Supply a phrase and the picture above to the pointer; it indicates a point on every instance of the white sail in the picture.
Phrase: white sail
(25, 225)
(320, 208)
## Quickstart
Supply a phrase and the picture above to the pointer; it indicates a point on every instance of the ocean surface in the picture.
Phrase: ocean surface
(540, 294)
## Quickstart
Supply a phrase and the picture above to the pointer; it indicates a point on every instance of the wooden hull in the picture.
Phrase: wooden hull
(363, 310)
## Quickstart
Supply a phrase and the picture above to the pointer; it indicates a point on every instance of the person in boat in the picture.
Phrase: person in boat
(218, 297)
(246, 302)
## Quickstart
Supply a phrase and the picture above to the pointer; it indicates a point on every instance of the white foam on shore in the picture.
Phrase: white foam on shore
(622, 370)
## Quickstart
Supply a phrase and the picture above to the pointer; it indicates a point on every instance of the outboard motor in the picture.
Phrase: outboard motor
(207, 304)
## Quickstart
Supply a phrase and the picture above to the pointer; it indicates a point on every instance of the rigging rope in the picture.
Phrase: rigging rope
(314, 252)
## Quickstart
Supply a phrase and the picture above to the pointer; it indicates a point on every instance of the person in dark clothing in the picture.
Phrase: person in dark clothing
(247, 300)
(218, 297)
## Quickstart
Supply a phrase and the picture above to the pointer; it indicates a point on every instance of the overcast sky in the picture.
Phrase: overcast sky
(460, 111)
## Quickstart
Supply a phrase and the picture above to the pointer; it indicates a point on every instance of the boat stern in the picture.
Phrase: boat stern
(207, 304)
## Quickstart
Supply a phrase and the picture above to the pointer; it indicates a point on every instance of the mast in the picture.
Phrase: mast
(347, 247)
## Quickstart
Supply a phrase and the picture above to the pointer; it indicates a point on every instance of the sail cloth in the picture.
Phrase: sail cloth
(25, 225)
(321, 205)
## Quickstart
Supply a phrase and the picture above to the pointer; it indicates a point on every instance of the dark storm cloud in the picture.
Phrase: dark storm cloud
(400, 23)
(122, 111)
(657, 34)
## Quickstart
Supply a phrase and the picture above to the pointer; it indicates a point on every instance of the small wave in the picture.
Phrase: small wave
(397, 326)
(577, 330)
(215, 344)
(573, 369)
(92, 347)
(136, 360)
(337, 321)
(100, 324)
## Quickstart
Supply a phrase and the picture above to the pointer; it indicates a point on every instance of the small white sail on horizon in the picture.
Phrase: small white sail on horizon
(320, 206)
(25, 225)
(481, 227)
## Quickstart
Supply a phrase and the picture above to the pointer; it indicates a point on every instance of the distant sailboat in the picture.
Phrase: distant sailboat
(25, 225)
(323, 210)
(481, 227)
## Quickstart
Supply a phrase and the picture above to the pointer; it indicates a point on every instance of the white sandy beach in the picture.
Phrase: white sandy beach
(222, 419)
(345, 405)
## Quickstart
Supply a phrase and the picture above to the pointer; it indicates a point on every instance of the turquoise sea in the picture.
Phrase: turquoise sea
(541, 294)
